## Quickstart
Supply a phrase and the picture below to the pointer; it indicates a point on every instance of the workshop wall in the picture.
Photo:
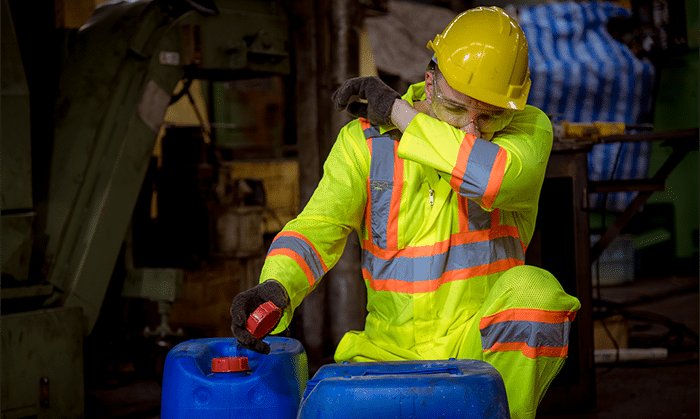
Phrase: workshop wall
(676, 107)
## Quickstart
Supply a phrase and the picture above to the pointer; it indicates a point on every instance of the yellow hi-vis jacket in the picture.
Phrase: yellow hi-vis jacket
(441, 215)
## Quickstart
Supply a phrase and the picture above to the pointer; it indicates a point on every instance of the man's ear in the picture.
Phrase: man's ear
(429, 80)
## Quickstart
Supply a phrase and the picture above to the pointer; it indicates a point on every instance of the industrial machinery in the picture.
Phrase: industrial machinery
(117, 77)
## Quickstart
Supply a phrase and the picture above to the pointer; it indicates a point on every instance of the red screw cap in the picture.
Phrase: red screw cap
(230, 364)
(263, 319)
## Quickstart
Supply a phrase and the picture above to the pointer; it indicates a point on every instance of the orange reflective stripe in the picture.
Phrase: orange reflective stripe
(462, 158)
(440, 247)
(368, 206)
(407, 287)
(307, 241)
(529, 352)
(533, 332)
(296, 246)
(463, 210)
(385, 230)
(496, 217)
(495, 178)
(527, 314)
(368, 210)
(298, 259)
(392, 239)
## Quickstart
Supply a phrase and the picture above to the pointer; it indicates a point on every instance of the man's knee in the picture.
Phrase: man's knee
(532, 287)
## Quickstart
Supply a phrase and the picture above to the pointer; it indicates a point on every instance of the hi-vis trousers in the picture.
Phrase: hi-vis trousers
(523, 331)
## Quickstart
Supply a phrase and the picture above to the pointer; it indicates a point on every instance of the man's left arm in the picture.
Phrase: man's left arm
(506, 172)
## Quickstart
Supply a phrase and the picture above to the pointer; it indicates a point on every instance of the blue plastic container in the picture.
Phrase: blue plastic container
(409, 389)
(272, 388)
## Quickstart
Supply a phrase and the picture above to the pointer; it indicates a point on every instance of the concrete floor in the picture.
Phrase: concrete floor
(654, 389)
(646, 389)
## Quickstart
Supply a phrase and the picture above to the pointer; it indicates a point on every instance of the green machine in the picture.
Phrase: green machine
(118, 74)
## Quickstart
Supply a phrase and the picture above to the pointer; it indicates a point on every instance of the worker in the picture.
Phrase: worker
(442, 185)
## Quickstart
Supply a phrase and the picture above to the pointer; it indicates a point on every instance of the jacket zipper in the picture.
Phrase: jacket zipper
(431, 197)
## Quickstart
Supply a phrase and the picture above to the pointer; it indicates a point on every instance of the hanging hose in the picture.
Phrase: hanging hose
(203, 127)
(185, 89)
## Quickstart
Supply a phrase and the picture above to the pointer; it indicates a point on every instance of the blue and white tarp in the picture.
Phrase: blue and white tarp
(580, 73)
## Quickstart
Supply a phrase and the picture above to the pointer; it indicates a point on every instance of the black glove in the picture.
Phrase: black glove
(380, 98)
(245, 303)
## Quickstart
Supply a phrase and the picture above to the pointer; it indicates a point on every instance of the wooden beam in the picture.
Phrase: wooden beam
(626, 185)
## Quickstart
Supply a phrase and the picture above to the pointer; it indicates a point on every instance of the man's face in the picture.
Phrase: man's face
(463, 112)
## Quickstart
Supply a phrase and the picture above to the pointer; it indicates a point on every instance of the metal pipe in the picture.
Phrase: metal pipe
(346, 296)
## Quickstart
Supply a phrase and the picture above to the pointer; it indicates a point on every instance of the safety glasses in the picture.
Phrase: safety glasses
(487, 118)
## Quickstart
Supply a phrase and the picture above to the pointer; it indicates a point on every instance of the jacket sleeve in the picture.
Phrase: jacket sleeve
(311, 244)
(506, 172)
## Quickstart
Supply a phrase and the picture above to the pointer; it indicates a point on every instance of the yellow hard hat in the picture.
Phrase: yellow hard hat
(483, 53)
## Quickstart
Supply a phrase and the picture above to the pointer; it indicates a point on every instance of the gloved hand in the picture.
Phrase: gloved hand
(379, 96)
(245, 303)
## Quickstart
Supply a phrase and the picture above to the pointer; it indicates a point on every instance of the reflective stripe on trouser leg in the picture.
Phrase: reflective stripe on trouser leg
(523, 332)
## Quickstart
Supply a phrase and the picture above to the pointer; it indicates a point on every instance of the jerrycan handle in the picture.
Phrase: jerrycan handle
(436, 370)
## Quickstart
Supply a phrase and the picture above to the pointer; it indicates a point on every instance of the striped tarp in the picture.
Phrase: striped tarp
(580, 73)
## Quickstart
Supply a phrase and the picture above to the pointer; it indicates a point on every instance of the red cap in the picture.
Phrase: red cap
(263, 319)
(229, 364)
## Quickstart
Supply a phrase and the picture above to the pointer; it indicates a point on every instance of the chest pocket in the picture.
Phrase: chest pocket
(384, 187)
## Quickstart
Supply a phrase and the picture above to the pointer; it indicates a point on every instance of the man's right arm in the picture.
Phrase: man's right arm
(312, 243)
(402, 113)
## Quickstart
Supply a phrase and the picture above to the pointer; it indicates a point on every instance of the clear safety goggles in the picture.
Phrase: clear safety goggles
(486, 118)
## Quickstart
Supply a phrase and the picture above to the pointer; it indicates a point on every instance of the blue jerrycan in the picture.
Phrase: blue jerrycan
(217, 378)
(460, 388)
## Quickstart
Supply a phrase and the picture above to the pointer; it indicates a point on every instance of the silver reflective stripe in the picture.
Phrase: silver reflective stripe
(534, 334)
(478, 169)
(371, 132)
(426, 268)
(303, 249)
(479, 219)
(381, 184)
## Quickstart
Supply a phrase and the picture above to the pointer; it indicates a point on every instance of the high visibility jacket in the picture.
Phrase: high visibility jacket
(441, 215)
